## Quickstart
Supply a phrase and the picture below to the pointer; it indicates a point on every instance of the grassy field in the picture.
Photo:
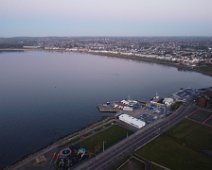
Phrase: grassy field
(75, 140)
(195, 136)
(209, 122)
(205, 68)
(200, 116)
(110, 136)
(181, 147)
(154, 167)
(133, 164)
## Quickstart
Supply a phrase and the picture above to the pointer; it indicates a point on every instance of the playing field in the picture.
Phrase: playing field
(108, 137)
(133, 164)
(182, 147)
(209, 122)
(200, 116)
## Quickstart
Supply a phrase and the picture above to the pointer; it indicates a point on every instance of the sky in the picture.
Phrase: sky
(105, 18)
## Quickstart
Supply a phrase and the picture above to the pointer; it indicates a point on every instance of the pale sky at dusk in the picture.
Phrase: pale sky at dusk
(105, 18)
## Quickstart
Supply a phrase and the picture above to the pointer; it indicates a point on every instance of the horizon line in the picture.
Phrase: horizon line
(112, 36)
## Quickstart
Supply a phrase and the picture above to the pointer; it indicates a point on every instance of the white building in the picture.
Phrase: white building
(129, 102)
(126, 108)
(168, 101)
(132, 121)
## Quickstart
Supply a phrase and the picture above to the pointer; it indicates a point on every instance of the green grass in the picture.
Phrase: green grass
(155, 167)
(205, 68)
(110, 136)
(181, 147)
(182, 129)
(200, 116)
(133, 164)
(67, 143)
(119, 163)
(193, 135)
(209, 122)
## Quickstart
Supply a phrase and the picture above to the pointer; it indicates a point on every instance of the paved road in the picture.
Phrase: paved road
(127, 146)
(25, 163)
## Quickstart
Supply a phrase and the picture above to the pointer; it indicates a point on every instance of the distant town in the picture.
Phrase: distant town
(183, 52)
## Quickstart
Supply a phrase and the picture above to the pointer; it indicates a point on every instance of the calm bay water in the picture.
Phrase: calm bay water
(46, 95)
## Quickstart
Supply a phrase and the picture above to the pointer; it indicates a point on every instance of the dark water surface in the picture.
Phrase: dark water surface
(46, 95)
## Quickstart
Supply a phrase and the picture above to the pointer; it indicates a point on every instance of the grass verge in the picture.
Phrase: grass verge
(132, 163)
(205, 68)
(200, 116)
(181, 147)
(109, 136)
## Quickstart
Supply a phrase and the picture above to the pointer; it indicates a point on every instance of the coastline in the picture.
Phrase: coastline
(121, 56)
(51, 144)
(56, 143)
(153, 61)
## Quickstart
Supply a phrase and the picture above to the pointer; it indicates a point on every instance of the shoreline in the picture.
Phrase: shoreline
(121, 56)
(56, 143)
(149, 60)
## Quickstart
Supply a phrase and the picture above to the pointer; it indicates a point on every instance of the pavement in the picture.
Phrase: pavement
(126, 147)
(28, 162)
(121, 150)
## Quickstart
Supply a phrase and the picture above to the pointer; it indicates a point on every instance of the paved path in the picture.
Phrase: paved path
(127, 146)
(25, 162)
(120, 150)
